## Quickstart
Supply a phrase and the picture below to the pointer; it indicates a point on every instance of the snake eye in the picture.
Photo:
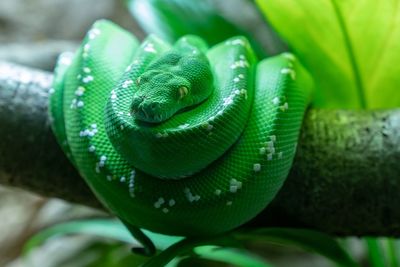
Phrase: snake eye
(183, 91)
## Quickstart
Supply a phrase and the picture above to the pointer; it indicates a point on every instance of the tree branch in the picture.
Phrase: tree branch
(344, 180)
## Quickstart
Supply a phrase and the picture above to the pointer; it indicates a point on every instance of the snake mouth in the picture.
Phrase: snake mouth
(142, 115)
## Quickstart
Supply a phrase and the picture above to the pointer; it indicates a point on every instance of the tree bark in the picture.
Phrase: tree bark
(344, 180)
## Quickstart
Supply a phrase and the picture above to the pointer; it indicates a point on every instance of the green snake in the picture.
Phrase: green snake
(180, 139)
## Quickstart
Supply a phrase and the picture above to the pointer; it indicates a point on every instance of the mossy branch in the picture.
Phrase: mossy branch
(345, 179)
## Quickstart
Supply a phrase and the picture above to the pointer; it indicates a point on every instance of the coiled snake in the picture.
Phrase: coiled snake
(179, 139)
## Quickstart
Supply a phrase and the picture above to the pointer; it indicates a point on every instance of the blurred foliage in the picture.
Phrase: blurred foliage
(227, 248)
(383, 252)
(174, 18)
(111, 242)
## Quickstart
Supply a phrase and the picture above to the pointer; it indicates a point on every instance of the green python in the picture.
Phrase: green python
(179, 139)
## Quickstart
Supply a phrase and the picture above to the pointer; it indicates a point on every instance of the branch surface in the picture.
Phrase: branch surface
(344, 180)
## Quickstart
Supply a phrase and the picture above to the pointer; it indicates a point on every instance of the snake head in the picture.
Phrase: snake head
(159, 95)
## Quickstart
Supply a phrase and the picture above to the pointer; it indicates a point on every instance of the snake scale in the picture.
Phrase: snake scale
(180, 139)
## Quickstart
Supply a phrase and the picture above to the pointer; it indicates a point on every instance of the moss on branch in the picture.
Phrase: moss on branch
(345, 178)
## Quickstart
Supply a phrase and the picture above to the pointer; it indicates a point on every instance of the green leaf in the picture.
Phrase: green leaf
(350, 47)
(185, 247)
(171, 19)
(232, 256)
(217, 248)
(309, 240)
(101, 254)
(393, 251)
(375, 252)
(108, 228)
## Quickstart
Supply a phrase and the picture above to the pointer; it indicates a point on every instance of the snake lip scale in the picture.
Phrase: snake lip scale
(180, 139)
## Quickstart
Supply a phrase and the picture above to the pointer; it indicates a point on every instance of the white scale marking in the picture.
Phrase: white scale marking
(65, 60)
(284, 107)
(159, 202)
(269, 147)
(150, 48)
(80, 91)
(88, 79)
(275, 101)
(80, 104)
(86, 47)
(190, 197)
(92, 148)
(234, 185)
(244, 92)
(228, 100)
(240, 64)
(171, 202)
(237, 42)
(73, 103)
(126, 83)
(161, 135)
(289, 56)
(257, 167)
(183, 126)
(89, 132)
(289, 71)
(113, 95)
(93, 33)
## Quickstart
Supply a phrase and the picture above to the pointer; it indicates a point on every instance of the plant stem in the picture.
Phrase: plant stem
(350, 51)
(391, 250)
(374, 252)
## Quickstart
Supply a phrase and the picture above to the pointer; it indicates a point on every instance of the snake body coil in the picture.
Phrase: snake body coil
(181, 139)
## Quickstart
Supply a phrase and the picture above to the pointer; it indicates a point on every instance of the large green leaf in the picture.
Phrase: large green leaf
(351, 47)
(171, 19)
